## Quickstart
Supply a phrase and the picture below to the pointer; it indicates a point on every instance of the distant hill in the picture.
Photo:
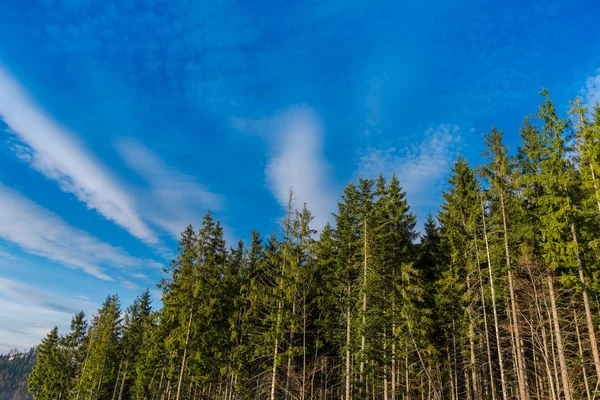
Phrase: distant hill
(14, 368)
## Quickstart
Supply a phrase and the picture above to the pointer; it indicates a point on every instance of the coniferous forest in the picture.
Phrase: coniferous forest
(496, 298)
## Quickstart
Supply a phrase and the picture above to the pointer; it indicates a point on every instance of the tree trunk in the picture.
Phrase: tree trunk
(485, 324)
(559, 342)
(583, 371)
(393, 350)
(494, 308)
(472, 363)
(348, 337)
(364, 311)
(275, 351)
(123, 383)
(586, 305)
(385, 380)
(288, 375)
(521, 373)
(184, 359)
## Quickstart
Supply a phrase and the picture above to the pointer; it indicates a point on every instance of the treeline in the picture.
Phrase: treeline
(496, 300)
(14, 368)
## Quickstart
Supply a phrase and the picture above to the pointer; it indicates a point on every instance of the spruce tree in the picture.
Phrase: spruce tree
(49, 379)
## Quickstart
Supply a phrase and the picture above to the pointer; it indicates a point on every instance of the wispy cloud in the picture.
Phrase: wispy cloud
(172, 199)
(26, 294)
(43, 233)
(6, 254)
(421, 168)
(297, 160)
(592, 90)
(56, 153)
(28, 313)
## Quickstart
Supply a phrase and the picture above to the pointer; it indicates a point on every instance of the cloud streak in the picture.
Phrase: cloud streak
(52, 150)
(28, 313)
(43, 233)
(592, 90)
(421, 168)
(172, 200)
(297, 162)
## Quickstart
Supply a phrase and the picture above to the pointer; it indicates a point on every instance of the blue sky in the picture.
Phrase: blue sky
(122, 122)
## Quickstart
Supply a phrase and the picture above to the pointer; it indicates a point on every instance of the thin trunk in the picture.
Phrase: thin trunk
(364, 309)
(288, 375)
(406, 377)
(494, 308)
(472, 363)
(123, 383)
(553, 348)
(103, 365)
(559, 342)
(586, 305)
(485, 324)
(348, 361)
(114, 395)
(454, 356)
(583, 371)
(385, 380)
(452, 387)
(393, 350)
(162, 376)
(184, 359)
(521, 374)
(538, 384)
(275, 351)
(303, 389)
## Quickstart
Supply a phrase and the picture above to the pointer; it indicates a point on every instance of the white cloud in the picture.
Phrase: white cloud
(420, 168)
(43, 233)
(6, 254)
(28, 313)
(130, 285)
(172, 200)
(373, 104)
(592, 90)
(297, 160)
(52, 150)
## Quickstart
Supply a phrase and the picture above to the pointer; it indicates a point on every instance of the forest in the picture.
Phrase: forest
(14, 368)
(496, 298)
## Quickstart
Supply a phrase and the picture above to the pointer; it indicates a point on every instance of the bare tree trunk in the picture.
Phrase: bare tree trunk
(184, 359)
(123, 383)
(559, 342)
(452, 387)
(494, 308)
(114, 395)
(521, 377)
(288, 375)
(583, 371)
(304, 317)
(393, 350)
(348, 337)
(275, 351)
(406, 374)
(586, 305)
(472, 364)
(553, 348)
(485, 324)
(385, 380)
(542, 322)
(364, 310)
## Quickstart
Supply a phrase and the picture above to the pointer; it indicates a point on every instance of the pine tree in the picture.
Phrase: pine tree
(135, 322)
(49, 379)
(98, 374)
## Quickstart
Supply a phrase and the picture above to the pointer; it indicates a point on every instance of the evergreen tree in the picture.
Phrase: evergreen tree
(49, 379)
(99, 371)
